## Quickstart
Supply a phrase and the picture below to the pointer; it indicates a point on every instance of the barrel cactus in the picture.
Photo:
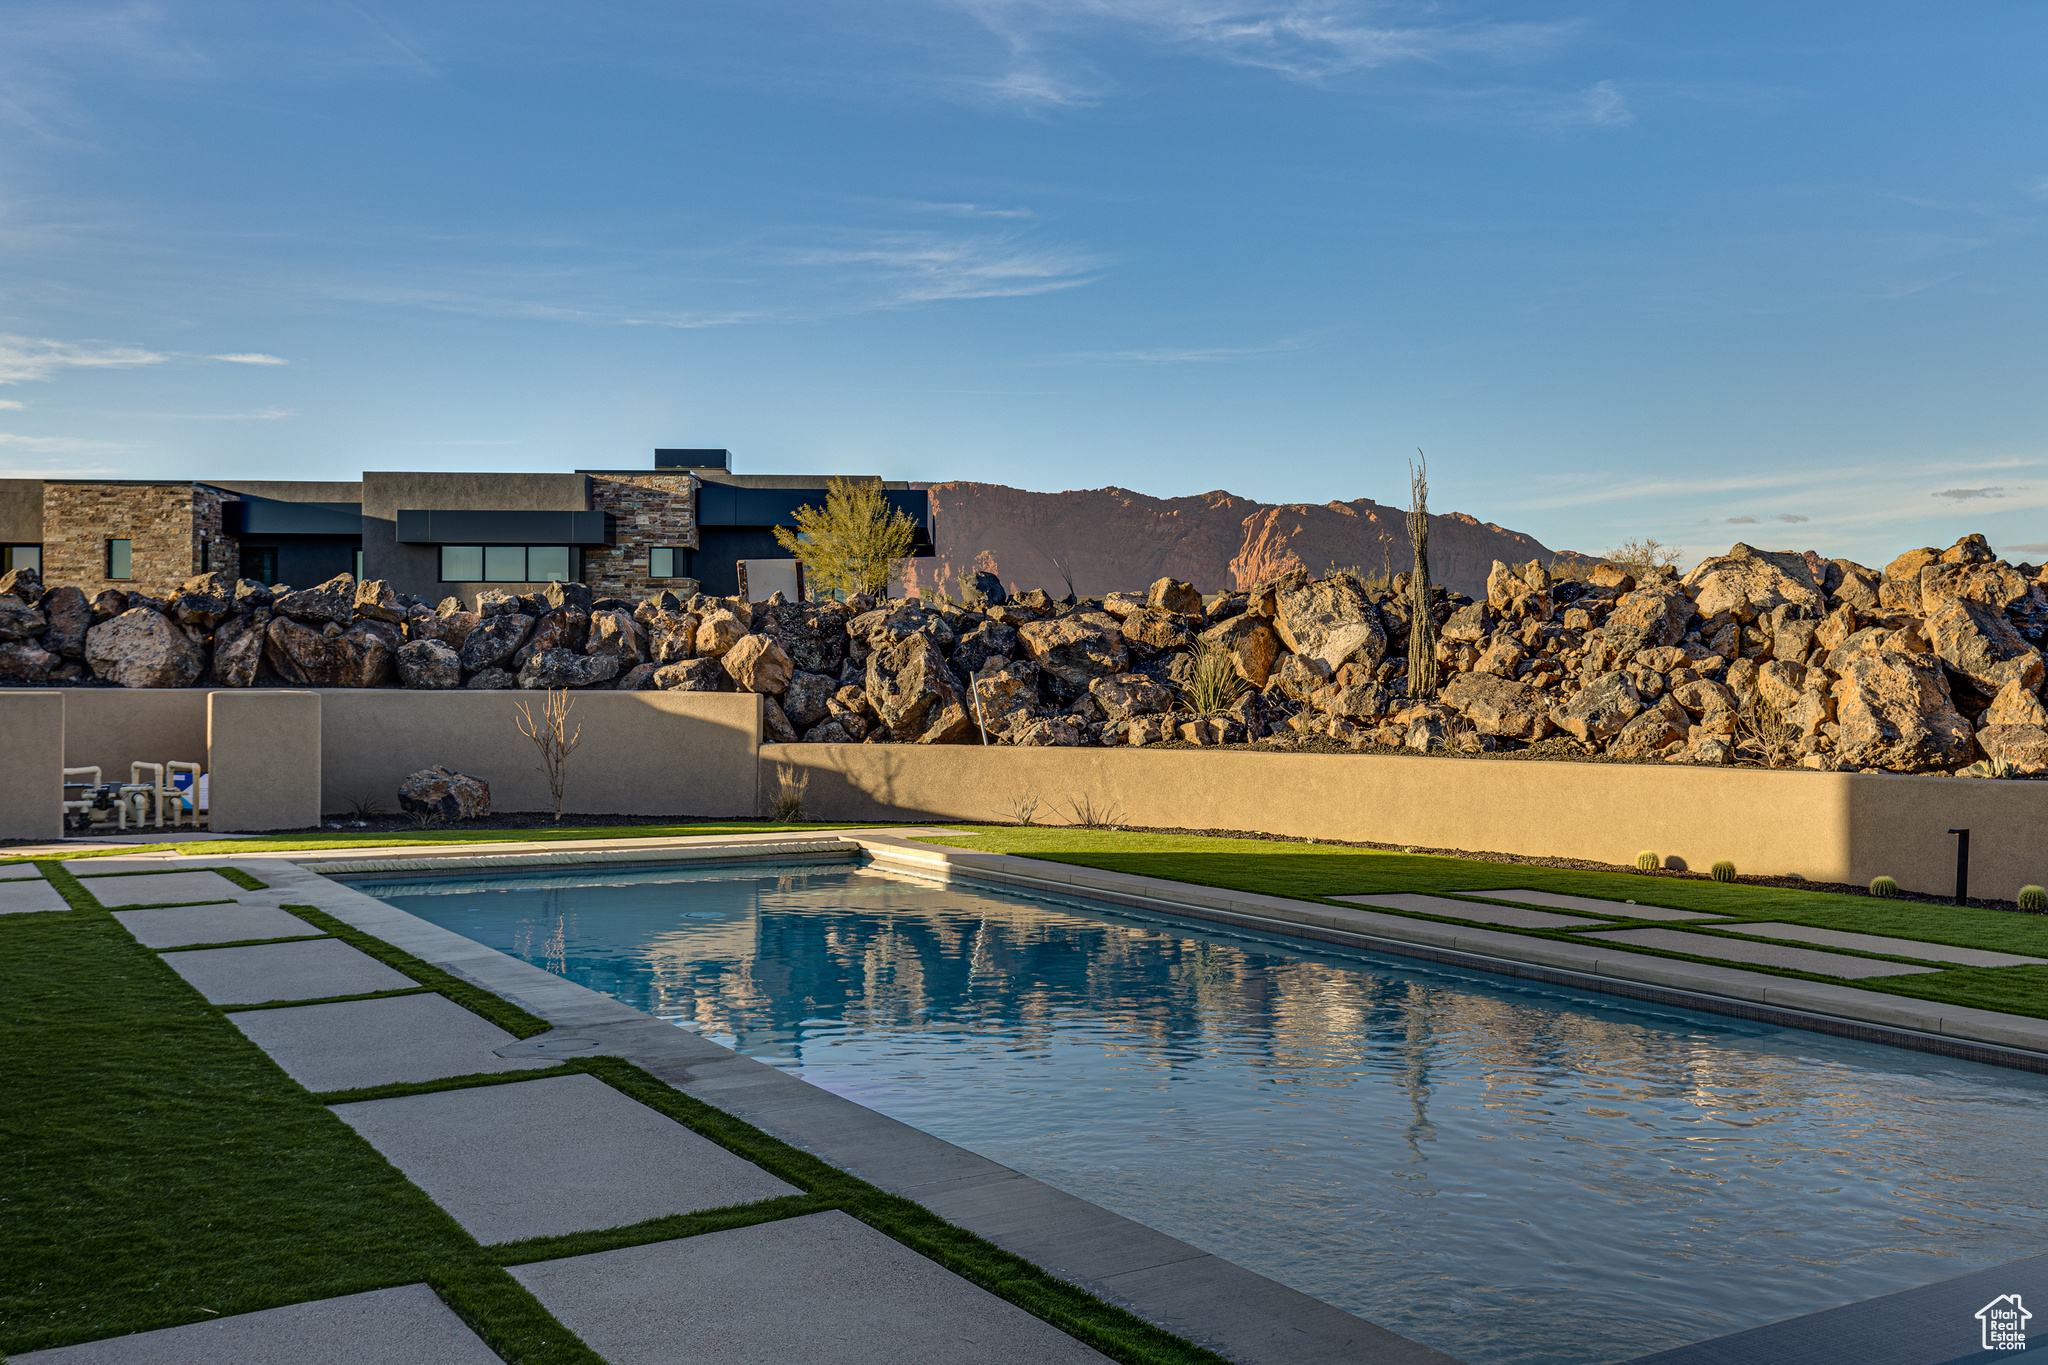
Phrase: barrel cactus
(1724, 871)
(1883, 886)
(2034, 898)
(1647, 861)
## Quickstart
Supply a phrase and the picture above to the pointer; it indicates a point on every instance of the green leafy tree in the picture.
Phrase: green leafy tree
(854, 543)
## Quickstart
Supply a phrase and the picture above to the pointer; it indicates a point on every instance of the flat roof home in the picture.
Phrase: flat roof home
(624, 532)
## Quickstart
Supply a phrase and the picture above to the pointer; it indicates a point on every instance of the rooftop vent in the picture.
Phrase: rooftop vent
(693, 459)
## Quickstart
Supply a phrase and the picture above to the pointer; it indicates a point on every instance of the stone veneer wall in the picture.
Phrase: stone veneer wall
(163, 522)
(647, 510)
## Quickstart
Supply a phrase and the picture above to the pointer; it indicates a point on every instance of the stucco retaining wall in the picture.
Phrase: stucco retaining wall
(1837, 827)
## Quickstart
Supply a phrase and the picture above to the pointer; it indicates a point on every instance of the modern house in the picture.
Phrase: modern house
(625, 532)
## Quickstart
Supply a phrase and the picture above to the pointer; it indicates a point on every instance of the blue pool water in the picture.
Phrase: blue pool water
(1514, 1173)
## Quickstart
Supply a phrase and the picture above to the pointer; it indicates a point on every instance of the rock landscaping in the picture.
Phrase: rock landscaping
(1933, 664)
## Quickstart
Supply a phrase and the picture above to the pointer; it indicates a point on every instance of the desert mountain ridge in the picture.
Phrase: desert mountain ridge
(1098, 540)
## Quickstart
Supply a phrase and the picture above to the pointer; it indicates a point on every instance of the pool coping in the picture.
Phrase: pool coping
(1957, 1031)
(1212, 1302)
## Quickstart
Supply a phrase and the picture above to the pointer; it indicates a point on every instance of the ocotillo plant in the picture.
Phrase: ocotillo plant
(1421, 625)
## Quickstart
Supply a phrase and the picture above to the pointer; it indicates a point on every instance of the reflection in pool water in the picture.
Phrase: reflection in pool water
(1509, 1172)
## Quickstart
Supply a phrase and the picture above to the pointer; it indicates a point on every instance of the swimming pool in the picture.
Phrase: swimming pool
(1514, 1173)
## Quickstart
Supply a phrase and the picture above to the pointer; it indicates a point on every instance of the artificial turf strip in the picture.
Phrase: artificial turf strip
(1319, 872)
(156, 1168)
(282, 843)
(475, 999)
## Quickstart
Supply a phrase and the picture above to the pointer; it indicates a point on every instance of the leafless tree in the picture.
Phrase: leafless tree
(551, 734)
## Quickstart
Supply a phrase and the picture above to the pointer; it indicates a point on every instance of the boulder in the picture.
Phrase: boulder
(807, 699)
(2016, 704)
(1600, 709)
(567, 597)
(375, 601)
(249, 594)
(451, 628)
(1122, 604)
(693, 675)
(491, 680)
(552, 668)
(884, 626)
(1353, 701)
(1128, 695)
(1747, 583)
(1895, 712)
(1331, 622)
(70, 616)
(671, 636)
(1004, 700)
(828, 732)
(638, 679)
(989, 640)
(1050, 732)
(238, 648)
(1296, 676)
(1520, 594)
(1648, 618)
(1982, 650)
(1705, 697)
(775, 726)
(1496, 706)
(757, 664)
(1853, 585)
(560, 628)
(1157, 630)
(357, 657)
(334, 600)
(1998, 586)
(1172, 595)
(20, 621)
(437, 792)
(811, 634)
(1467, 625)
(28, 661)
(915, 695)
(1071, 652)
(719, 631)
(22, 584)
(616, 633)
(1971, 549)
(143, 648)
(110, 603)
(1250, 643)
(2023, 746)
(982, 589)
(423, 663)
(1780, 684)
(1899, 589)
(496, 602)
(1503, 657)
(1652, 731)
(496, 639)
(200, 612)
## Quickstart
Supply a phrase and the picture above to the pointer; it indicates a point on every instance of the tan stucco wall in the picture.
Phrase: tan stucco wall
(263, 760)
(642, 753)
(113, 727)
(1823, 826)
(32, 756)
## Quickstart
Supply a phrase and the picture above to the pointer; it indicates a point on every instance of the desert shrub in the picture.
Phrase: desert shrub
(1724, 871)
(1765, 726)
(1883, 886)
(1647, 861)
(1024, 805)
(790, 786)
(2034, 898)
(1643, 556)
(1215, 683)
(1991, 767)
(1091, 814)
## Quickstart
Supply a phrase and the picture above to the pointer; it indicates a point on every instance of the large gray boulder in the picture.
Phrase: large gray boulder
(334, 600)
(438, 792)
(1331, 622)
(1649, 618)
(20, 621)
(807, 700)
(563, 628)
(1071, 652)
(671, 636)
(615, 632)
(70, 616)
(25, 584)
(988, 640)
(375, 601)
(1129, 694)
(1747, 583)
(1651, 731)
(1497, 706)
(552, 668)
(1981, 648)
(693, 675)
(28, 661)
(494, 641)
(428, 664)
(1600, 709)
(757, 664)
(451, 628)
(811, 634)
(1250, 643)
(361, 656)
(200, 612)
(238, 647)
(1895, 712)
(916, 695)
(143, 648)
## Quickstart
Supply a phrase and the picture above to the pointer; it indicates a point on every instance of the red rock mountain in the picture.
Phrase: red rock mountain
(1111, 539)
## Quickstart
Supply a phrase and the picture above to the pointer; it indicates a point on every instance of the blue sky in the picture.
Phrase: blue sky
(1697, 272)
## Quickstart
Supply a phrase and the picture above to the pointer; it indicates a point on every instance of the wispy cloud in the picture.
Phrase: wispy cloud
(1180, 355)
(256, 415)
(1966, 494)
(56, 445)
(926, 267)
(36, 358)
(11, 405)
(250, 358)
(1742, 521)
(969, 210)
(1792, 517)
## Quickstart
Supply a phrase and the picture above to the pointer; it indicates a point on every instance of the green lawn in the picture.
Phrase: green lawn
(156, 1169)
(288, 843)
(1320, 871)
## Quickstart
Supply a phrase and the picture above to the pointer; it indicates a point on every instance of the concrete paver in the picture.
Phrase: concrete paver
(404, 1326)
(545, 1157)
(1762, 954)
(1478, 914)
(190, 924)
(26, 897)
(312, 970)
(168, 888)
(825, 1289)
(1593, 905)
(1879, 943)
(402, 1039)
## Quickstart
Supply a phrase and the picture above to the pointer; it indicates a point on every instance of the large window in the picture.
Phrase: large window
(21, 557)
(120, 562)
(510, 564)
(667, 562)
